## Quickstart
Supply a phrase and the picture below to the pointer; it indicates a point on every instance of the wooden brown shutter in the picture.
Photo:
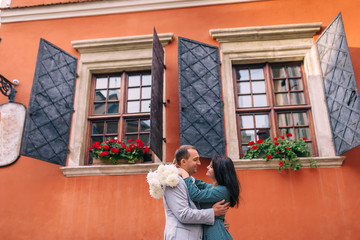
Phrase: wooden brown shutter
(200, 98)
(47, 127)
(341, 92)
(156, 113)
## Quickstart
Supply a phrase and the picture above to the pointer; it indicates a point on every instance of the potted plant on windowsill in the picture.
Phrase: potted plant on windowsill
(113, 151)
(286, 150)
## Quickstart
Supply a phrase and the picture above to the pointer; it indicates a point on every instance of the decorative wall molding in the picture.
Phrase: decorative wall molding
(82, 9)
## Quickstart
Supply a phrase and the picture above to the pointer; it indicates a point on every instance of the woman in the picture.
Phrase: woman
(225, 186)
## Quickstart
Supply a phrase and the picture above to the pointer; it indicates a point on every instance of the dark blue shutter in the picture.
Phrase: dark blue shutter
(156, 114)
(200, 99)
(341, 92)
(47, 128)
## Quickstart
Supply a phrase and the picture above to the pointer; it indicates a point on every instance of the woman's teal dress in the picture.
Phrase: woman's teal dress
(207, 196)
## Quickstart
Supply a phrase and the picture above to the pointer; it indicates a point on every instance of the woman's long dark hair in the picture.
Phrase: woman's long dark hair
(225, 175)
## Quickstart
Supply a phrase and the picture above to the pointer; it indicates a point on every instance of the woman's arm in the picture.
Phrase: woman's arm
(204, 195)
(202, 185)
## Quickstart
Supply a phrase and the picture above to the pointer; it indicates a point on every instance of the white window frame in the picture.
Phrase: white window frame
(280, 43)
(107, 55)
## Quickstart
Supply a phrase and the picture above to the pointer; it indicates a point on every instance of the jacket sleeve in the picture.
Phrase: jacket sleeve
(177, 201)
(205, 195)
(202, 185)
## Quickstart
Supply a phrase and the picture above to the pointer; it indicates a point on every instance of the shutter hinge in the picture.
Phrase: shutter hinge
(164, 139)
(164, 66)
(167, 101)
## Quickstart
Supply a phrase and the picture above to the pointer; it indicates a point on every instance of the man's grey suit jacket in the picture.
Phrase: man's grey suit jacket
(183, 219)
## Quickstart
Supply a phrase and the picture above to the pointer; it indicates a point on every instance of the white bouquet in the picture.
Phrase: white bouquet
(165, 175)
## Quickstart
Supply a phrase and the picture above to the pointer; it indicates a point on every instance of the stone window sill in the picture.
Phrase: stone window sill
(246, 164)
(130, 169)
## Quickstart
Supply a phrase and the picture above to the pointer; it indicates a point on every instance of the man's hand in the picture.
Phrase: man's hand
(220, 208)
(226, 225)
(183, 173)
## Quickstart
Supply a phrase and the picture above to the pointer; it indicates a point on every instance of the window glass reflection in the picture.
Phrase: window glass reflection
(244, 101)
(99, 108)
(293, 71)
(280, 85)
(257, 73)
(114, 94)
(242, 74)
(134, 81)
(295, 84)
(263, 134)
(145, 125)
(243, 87)
(133, 107)
(261, 121)
(111, 127)
(145, 106)
(113, 107)
(258, 87)
(145, 138)
(278, 72)
(97, 127)
(146, 80)
(297, 98)
(101, 83)
(146, 92)
(247, 121)
(100, 95)
(300, 119)
(133, 93)
(260, 100)
(282, 99)
(247, 136)
(114, 82)
(132, 126)
(284, 119)
(303, 133)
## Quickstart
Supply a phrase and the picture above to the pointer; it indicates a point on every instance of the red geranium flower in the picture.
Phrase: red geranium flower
(140, 145)
(112, 140)
(281, 164)
(106, 142)
(288, 148)
(146, 149)
(276, 143)
(114, 150)
(259, 141)
(278, 151)
(130, 140)
(275, 139)
(243, 155)
(282, 137)
(119, 142)
(128, 149)
(96, 144)
(268, 157)
(123, 146)
(106, 147)
(90, 148)
(289, 134)
(138, 141)
(251, 143)
(254, 147)
(304, 139)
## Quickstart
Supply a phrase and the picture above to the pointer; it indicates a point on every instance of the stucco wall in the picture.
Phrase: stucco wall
(38, 202)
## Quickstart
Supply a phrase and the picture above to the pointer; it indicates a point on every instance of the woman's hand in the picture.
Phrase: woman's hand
(183, 173)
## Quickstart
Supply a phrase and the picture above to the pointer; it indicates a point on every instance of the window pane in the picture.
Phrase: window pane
(278, 72)
(258, 87)
(132, 126)
(297, 98)
(293, 71)
(295, 84)
(260, 100)
(146, 92)
(244, 101)
(100, 95)
(145, 138)
(261, 121)
(244, 148)
(131, 136)
(145, 106)
(284, 131)
(114, 94)
(133, 107)
(111, 127)
(280, 85)
(257, 73)
(242, 74)
(247, 136)
(115, 82)
(113, 107)
(98, 128)
(101, 83)
(243, 87)
(99, 108)
(133, 93)
(263, 134)
(96, 139)
(146, 80)
(284, 119)
(300, 119)
(145, 125)
(282, 99)
(247, 121)
(303, 133)
(134, 81)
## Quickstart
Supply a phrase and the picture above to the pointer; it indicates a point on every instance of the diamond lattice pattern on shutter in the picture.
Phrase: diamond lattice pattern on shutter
(341, 92)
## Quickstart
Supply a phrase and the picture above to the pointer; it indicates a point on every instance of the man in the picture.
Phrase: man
(183, 219)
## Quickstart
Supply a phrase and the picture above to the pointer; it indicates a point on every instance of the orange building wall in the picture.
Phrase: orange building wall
(38, 202)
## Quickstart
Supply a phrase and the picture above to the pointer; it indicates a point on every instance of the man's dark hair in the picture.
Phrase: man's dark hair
(182, 152)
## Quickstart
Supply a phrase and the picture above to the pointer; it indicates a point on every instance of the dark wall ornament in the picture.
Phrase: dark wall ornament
(48, 122)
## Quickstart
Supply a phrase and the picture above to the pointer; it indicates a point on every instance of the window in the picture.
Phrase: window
(120, 107)
(272, 100)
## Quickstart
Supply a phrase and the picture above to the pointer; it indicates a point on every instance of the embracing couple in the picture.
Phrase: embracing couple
(195, 209)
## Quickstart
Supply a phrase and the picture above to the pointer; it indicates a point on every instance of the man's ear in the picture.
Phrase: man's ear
(182, 161)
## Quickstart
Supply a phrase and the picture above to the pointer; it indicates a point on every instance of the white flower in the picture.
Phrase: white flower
(157, 192)
(151, 175)
(171, 169)
(154, 183)
(172, 180)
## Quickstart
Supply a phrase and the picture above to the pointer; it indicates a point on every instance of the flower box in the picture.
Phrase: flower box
(97, 161)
